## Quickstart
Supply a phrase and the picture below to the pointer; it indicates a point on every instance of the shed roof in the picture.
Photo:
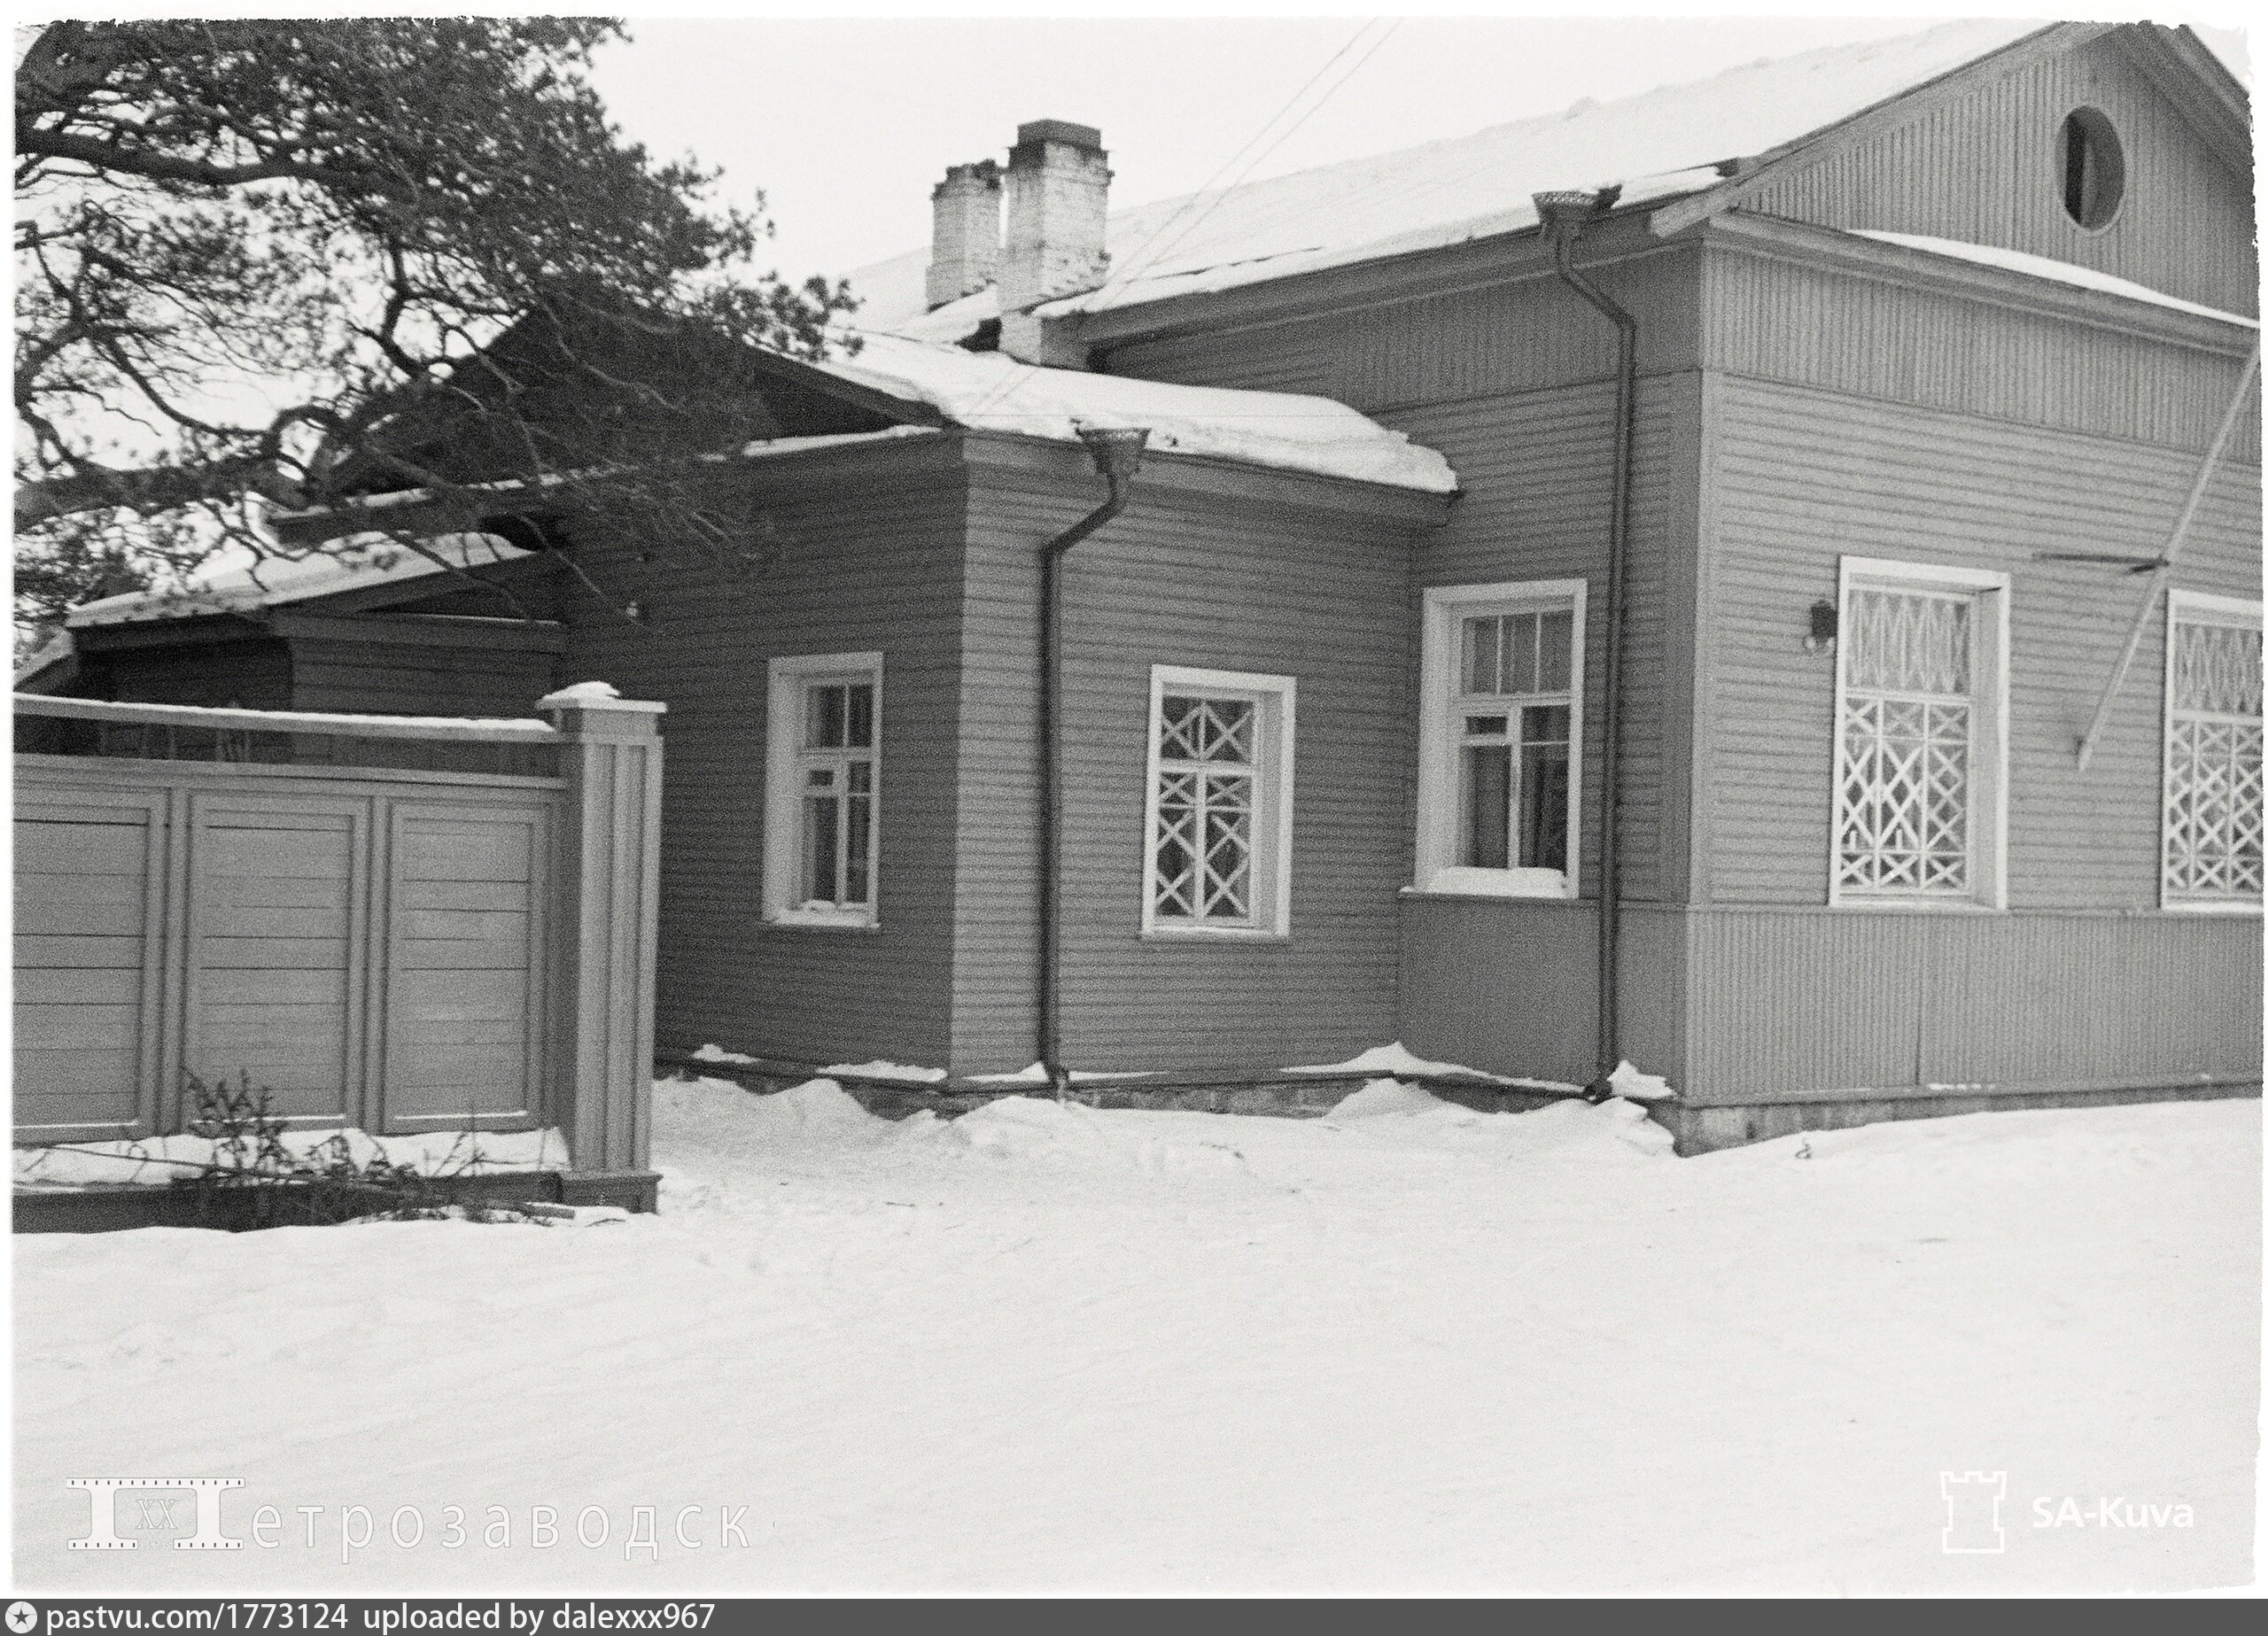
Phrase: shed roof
(235, 584)
(1660, 144)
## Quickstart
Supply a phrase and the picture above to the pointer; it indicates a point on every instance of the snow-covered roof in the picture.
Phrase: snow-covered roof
(2058, 272)
(984, 392)
(990, 391)
(235, 584)
(1658, 145)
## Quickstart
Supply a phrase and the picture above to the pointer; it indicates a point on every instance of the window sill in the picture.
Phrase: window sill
(1917, 906)
(1521, 884)
(2248, 907)
(1526, 900)
(793, 921)
(1212, 934)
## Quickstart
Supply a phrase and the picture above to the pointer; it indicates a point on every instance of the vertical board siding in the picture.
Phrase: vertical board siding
(2045, 997)
(1523, 335)
(1787, 1002)
(88, 901)
(1983, 169)
(1296, 593)
(1792, 1001)
(1800, 478)
(876, 567)
(1945, 350)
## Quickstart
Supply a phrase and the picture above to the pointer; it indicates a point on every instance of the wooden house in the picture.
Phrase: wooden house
(1652, 583)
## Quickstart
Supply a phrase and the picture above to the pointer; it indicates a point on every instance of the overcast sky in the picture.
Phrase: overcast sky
(846, 124)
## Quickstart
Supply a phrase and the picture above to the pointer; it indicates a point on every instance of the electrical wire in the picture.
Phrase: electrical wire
(1256, 160)
(1134, 258)
(1137, 265)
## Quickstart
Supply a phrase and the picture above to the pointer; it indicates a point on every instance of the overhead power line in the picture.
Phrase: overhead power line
(1257, 159)
(1142, 258)
(1196, 200)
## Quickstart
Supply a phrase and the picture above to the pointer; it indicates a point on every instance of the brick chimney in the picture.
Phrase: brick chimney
(1057, 195)
(964, 231)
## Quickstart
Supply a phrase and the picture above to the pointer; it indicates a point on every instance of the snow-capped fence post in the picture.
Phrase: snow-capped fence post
(609, 849)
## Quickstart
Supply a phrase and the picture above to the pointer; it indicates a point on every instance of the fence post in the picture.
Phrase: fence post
(609, 853)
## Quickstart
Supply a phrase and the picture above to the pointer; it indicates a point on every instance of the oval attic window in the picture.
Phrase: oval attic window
(2092, 168)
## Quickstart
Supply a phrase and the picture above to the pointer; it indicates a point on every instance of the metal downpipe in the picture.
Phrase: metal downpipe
(1563, 216)
(1117, 452)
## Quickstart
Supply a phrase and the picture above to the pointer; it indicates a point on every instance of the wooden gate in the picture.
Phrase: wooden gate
(393, 947)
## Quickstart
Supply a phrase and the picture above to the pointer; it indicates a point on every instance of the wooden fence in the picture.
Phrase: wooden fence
(394, 923)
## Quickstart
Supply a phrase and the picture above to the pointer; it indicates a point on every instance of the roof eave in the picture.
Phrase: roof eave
(418, 512)
(1806, 242)
(1409, 274)
(2175, 60)
(1212, 477)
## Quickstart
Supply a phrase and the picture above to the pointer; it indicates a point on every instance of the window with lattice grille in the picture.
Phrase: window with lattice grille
(1500, 726)
(2212, 829)
(1220, 802)
(1919, 753)
(823, 790)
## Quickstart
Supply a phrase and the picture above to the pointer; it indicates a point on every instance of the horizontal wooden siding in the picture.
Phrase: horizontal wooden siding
(1798, 479)
(873, 565)
(1287, 593)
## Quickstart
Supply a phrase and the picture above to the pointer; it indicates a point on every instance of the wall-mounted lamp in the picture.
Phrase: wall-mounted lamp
(1824, 621)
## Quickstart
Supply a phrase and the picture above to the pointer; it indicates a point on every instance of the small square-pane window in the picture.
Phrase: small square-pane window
(1512, 704)
(822, 811)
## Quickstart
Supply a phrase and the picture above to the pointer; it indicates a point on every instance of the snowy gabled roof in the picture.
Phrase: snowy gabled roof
(234, 583)
(1658, 145)
(990, 391)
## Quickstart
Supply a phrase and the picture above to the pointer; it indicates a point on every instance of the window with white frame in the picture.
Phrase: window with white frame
(823, 790)
(2212, 830)
(1218, 839)
(1921, 744)
(1501, 721)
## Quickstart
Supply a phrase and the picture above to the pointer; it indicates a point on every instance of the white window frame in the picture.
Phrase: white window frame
(2193, 608)
(786, 681)
(1276, 702)
(1441, 647)
(1988, 812)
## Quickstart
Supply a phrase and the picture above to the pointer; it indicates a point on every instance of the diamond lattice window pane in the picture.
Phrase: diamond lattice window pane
(2213, 806)
(1202, 852)
(1906, 785)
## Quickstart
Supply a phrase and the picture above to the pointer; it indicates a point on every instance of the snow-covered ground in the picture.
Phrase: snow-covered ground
(1405, 1347)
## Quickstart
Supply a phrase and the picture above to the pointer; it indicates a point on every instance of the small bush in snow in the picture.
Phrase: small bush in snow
(256, 1179)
